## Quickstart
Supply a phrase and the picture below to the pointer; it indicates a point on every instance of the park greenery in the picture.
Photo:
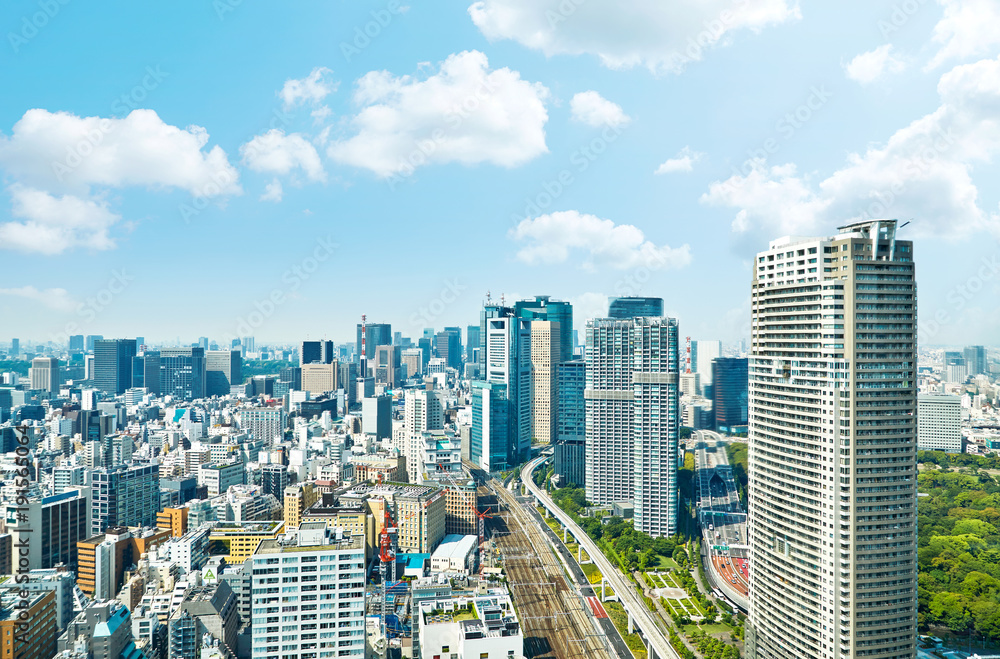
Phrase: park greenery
(19, 366)
(958, 541)
(253, 367)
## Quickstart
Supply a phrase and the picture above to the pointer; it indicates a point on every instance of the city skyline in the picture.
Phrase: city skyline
(607, 184)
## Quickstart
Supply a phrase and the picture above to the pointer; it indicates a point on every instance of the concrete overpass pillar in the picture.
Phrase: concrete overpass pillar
(579, 553)
(631, 624)
(604, 589)
(565, 533)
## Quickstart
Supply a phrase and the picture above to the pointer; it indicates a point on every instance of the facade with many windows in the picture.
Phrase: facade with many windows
(832, 447)
(308, 595)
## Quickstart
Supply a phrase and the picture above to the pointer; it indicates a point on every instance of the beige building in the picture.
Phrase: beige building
(44, 374)
(298, 497)
(317, 378)
(832, 447)
(545, 350)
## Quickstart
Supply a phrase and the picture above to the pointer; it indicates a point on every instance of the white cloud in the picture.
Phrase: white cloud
(662, 36)
(277, 153)
(683, 162)
(321, 114)
(56, 299)
(922, 172)
(464, 113)
(868, 67)
(967, 29)
(54, 224)
(594, 110)
(61, 151)
(551, 237)
(273, 192)
(311, 89)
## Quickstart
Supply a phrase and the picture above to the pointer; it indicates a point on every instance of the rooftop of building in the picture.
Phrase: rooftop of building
(269, 527)
(289, 544)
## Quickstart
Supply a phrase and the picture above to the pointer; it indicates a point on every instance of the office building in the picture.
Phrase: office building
(501, 401)
(545, 356)
(124, 496)
(448, 346)
(318, 378)
(15, 347)
(975, 360)
(555, 311)
(208, 609)
(633, 418)
(939, 423)
(182, 373)
(173, 520)
(832, 447)
(386, 367)
(113, 365)
(273, 479)
(46, 529)
(236, 542)
(316, 352)
(376, 334)
(624, 308)
(471, 343)
(76, 343)
(322, 583)
(223, 369)
(729, 394)
(376, 416)
(44, 375)
(58, 581)
(264, 423)
(490, 630)
(297, 498)
(105, 629)
(412, 362)
(702, 354)
(423, 411)
(37, 638)
(569, 453)
(146, 371)
(218, 478)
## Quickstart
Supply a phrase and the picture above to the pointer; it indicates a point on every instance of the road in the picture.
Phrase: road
(720, 513)
(644, 620)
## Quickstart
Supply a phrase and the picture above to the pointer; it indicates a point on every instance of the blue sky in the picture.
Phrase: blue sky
(282, 174)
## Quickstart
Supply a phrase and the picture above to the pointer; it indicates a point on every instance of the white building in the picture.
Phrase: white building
(309, 595)
(219, 477)
(456, 553)
(483, 627)
(422, 411)
(939, 423)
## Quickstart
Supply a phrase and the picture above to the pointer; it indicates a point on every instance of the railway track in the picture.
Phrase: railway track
(556, 625)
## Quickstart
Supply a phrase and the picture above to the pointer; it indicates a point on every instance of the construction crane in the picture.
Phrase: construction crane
(687, 359)
(388, 546)
(482, 522)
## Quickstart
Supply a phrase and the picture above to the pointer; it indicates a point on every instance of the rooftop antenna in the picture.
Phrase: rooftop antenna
(489, 298)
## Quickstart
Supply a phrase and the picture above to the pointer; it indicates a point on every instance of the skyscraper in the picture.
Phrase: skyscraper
(15, 347)
(146, 371)
(448, 343)
(635, 307)
(501, 414)
(632, 418)
(702, 354)
(545, 353)
(124, 496)
(76, 343)
(471, 343)
(113, 364)
(832, 453)
(939, 423)
(570, 451)
(91, 341)
(223, 369)
(182, 372)
(376, 334)
(316, 352)
(45, 374)
(729, 394)
(975, 360)
(545, 308)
